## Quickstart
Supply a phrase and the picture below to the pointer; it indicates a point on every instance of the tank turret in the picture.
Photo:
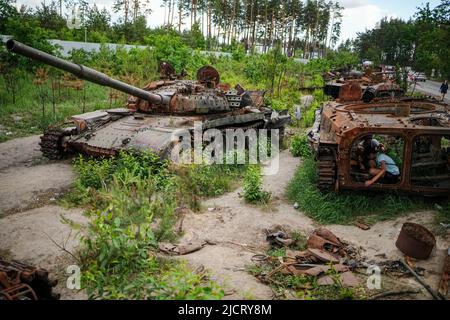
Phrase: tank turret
(154, 113)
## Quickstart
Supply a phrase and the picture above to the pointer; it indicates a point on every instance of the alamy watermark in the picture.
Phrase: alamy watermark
(74, 21)
(228, 146)
(374, 279)
(74, 279)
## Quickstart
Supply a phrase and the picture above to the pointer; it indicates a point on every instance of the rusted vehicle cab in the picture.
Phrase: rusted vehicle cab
(351, 139)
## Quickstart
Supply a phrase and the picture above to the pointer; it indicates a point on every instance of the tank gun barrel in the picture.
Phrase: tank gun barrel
(81, 71)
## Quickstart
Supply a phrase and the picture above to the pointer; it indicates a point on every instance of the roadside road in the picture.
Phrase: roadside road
(431, 88)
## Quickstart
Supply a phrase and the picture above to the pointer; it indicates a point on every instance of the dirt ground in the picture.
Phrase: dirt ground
(32, 227)
(31, 223)
(238, 231)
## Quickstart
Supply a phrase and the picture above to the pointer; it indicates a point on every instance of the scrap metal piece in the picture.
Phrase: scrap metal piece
(362, 226)
(445, 278)
(323, 255)
(208, 74)
(434, 294)
(415, 241)
(20, 281)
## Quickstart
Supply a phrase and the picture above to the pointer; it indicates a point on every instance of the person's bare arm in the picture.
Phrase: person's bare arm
(378, 176)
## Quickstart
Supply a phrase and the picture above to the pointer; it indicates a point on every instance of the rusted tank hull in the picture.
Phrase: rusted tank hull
(339, 126)
(105, 133)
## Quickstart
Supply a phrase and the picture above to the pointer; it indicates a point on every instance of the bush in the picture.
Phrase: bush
(133, 199)
(213, 180)
(300, 146)
(253, 192)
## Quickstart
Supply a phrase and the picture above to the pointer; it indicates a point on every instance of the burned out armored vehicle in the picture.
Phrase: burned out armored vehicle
(392, 144)
(154, 113)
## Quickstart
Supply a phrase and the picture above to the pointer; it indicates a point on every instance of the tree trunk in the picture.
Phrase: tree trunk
(265, 28)
(180, 15)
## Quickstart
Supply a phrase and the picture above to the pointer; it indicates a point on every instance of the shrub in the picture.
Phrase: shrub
(133, 199)
(253, 192)
(300, 146)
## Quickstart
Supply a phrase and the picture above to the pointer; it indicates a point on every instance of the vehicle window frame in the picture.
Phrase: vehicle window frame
(377, 185)
(411, 160)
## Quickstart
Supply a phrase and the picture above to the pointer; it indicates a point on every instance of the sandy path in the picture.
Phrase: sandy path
(29, 221)
(238, 230)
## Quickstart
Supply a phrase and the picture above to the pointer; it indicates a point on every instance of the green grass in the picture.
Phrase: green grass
(300, 146)
(346, 207)
(443, 214)
(28, 111)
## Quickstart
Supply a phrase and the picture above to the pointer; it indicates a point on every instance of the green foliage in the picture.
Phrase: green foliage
(418, 42)
(212, 180)
(132, 200)
(253, 192)
(345, 207)
(300, 146)
(171, 48)
(342, 58)
(444, 213)
(194, 37)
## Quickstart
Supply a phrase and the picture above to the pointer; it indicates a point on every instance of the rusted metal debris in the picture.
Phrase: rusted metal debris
(415, 241)
(362, 226)
(19, 281)
(154, 113)
(352, 85)
(434, 294)
(325, 252)
(445, 278)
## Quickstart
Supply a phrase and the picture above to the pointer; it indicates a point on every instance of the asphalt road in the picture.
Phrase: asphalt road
(431, 88)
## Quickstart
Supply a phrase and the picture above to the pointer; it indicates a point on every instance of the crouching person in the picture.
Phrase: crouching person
(382, 167)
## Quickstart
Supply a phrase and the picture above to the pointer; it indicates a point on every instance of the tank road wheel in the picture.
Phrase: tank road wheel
(326, 169)
(51, 143)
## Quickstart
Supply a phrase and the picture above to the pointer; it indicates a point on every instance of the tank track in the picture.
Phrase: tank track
(51, 143)
(326, 169)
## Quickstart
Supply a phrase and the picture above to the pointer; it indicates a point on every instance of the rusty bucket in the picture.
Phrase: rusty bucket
(415, 241)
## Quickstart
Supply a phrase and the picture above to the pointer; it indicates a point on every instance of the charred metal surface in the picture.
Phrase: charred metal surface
(153, 113)
(415, 241)
(338, 126)
(166, 71)
(19, 281)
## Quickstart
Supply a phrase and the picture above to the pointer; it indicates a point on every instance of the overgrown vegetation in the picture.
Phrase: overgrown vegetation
(443, 214)
(132, 201)
(345, 207)
(30, 101)
(253, 192)
(300, 146)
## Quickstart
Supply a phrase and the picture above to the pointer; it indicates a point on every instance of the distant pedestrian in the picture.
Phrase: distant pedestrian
(444, 89)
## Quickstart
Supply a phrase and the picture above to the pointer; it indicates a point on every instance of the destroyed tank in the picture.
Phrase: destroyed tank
(352, 85)
(154, 113)
(349, 134)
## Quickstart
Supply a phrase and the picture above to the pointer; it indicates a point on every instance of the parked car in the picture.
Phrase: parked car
(420, 77)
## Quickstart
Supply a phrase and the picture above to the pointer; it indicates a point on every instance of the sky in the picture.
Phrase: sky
(358, 15)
